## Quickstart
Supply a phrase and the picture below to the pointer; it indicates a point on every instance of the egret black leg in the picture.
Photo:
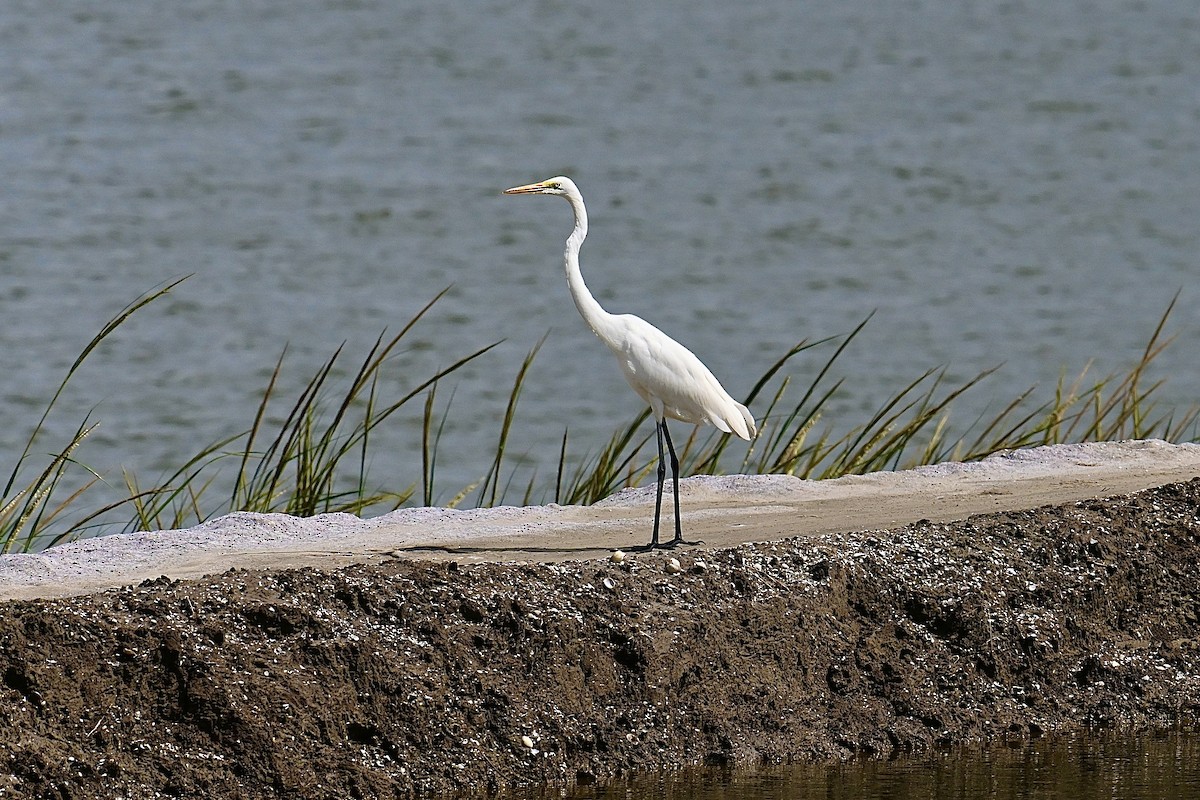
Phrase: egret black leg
(666, 434)
(675, 475)
(659, 427)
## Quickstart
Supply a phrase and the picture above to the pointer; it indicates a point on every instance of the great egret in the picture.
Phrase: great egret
(663, 372)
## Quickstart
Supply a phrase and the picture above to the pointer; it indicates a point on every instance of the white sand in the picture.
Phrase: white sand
(722, 511)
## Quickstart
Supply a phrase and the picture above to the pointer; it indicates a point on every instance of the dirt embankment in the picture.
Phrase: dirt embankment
(392, 679)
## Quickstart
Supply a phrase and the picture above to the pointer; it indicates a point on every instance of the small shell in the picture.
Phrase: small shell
(617, 557)
(525, 740)
(673, 566)
(609, 583)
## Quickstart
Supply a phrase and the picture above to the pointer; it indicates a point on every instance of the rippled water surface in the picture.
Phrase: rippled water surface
(1011, 182)
(1142, 767)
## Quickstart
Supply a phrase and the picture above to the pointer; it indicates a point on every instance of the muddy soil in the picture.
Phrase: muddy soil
(410, 678)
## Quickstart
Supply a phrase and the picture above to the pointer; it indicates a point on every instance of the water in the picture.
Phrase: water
(1008, 182)
(1132, 767)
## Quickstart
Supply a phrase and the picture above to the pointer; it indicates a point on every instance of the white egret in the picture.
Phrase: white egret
(663, 372)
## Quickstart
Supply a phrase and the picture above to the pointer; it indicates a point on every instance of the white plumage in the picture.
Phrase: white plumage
(664, 373)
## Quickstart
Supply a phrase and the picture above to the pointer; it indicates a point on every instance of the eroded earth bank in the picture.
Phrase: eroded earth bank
(410, 677)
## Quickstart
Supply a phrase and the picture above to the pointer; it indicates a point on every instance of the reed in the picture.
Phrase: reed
(491, 481)
(910, 428)
(313, 456)
(314, 460)
(33, 514)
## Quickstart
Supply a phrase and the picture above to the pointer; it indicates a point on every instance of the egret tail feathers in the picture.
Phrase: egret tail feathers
(748, 418)
(735, 418)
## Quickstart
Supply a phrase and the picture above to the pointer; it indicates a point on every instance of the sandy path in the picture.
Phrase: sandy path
(721, 511)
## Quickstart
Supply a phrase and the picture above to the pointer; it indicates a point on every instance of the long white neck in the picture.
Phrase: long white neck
(590, 309)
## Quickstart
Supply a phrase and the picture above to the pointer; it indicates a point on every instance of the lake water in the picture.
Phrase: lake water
(1129, 767)
(1002, 182)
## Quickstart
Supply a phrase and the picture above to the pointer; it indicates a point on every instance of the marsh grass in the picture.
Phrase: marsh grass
(491, 481)
(315, 459)
(32, 506)
(311, 454)
(910, 428)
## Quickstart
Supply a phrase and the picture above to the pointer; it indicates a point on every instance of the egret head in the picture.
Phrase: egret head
(561, 186)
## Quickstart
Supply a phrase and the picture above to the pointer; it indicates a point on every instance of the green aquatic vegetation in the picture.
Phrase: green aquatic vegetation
(910, 428)
(314, 460)
(31, 506)
(313, 457)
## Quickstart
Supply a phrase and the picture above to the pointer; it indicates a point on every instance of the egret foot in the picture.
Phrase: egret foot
(671, 545)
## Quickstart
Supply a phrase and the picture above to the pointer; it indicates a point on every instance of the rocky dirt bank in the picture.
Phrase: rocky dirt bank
(412, 677)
